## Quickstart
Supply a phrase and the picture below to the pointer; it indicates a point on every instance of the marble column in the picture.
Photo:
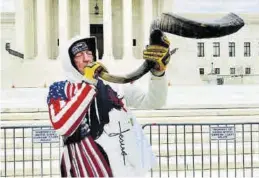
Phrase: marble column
(84, 18)
(42, 52)
(63, 21)
(20, 24)
(24, 25)
(147, 19)
(127, 29)
(107, 30)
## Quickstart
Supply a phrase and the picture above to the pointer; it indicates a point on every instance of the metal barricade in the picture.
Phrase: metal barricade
(205, 150)
(29, 151)
(182, 150)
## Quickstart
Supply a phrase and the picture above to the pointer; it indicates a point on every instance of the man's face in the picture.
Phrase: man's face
(82, 59)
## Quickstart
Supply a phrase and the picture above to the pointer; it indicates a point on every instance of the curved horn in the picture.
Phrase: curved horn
(181, 26)
(135, 75)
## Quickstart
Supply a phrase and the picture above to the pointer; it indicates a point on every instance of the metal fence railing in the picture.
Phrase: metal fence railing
(205, 150)
(182, 150)
(29, 151)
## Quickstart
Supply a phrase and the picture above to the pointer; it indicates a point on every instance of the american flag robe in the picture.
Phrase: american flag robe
(68, 104)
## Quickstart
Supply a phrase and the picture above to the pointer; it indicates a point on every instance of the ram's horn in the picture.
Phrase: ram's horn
(138, 73)
(174, 24)
(135, 75)
(181, 26)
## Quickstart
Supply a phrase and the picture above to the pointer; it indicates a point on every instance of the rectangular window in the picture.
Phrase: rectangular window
(217, 70)
(216, 49)
(247, 50)
(232, 71)
(200, 49)
(201, 71)
(248, 70)
(231, 46)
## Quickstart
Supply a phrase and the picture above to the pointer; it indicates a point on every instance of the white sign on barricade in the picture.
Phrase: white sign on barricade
(222, 133)
(44, 136)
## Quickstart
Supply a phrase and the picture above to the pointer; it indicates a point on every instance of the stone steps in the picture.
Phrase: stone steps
(9, 155)
(157, 120)
(198, 167)
(197, 148)
(239, 173)
(187, 138)
(173, 167)
(33, 172)
(34, 114)
(160, 132)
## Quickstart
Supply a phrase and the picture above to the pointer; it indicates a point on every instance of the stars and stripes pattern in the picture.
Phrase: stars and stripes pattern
(68, 104)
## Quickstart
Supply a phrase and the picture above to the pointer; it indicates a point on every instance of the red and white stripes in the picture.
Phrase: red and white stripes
(66, 115)
(84, 159)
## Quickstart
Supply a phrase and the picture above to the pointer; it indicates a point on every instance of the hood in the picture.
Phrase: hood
(71, 73)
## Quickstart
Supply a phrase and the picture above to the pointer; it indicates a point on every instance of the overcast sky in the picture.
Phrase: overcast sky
(216, 5)
(189, 5)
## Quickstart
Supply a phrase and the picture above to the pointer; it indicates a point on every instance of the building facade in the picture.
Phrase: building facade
(231, 59)
(40, 27)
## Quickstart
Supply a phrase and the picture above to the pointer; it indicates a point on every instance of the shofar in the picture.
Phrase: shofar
(174, 24)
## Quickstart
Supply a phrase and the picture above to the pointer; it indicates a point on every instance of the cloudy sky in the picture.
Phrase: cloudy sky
(189, 5)
(7, 5)
(217, 5)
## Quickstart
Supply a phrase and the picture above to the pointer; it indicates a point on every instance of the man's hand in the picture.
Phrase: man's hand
(92, 70)
(160, 55)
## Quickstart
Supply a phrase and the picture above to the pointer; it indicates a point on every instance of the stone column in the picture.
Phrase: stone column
(63, 21)
(19, 24)
(24, 25)
(107, 30)
(84, 18)
(52, 28)
(127, 29)
(42, 52)
(147, 19)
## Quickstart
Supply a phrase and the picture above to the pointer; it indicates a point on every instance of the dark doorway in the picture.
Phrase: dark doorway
(97, 31)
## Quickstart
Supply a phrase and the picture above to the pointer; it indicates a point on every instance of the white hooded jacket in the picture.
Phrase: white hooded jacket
(122, 138)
